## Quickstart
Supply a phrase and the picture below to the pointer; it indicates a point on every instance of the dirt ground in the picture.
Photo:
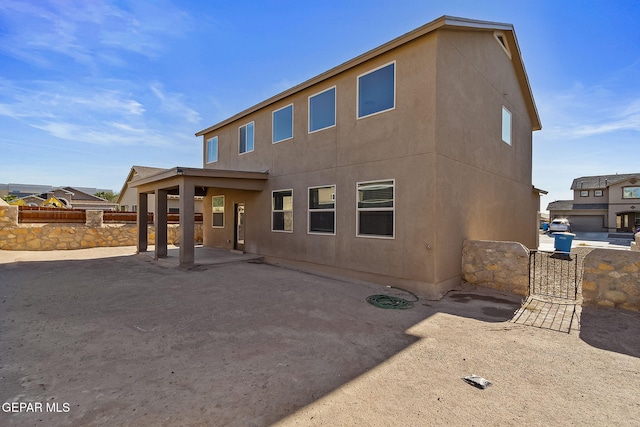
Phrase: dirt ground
(106, 337)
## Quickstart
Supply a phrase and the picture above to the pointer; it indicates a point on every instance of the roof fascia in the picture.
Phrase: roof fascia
(197, 172)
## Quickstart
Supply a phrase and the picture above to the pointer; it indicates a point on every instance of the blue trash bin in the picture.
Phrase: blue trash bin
(545, 226)
(563, 241)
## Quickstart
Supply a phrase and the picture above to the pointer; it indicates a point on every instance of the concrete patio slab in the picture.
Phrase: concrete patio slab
(105, 337)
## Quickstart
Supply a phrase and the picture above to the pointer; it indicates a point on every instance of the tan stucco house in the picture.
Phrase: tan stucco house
(377, 169)
(603, 203)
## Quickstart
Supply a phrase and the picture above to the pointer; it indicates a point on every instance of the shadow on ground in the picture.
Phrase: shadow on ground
(611, 329)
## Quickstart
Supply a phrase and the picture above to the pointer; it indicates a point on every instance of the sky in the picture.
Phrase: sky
(89, 88)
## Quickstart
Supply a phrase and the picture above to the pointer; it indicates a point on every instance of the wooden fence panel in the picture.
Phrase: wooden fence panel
(36, 214)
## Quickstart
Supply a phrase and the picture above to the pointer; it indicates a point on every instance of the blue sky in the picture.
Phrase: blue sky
(89, 88)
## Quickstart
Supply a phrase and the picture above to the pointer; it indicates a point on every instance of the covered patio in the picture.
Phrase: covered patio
(187, 183)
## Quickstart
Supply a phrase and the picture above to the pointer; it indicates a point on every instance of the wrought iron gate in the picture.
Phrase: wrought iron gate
(554, 274)
(554, 281)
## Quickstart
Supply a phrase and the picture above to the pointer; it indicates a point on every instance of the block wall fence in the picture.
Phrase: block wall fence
(93, 233)
(610, 278)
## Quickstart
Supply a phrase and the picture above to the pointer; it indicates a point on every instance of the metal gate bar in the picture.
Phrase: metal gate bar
(554, 274)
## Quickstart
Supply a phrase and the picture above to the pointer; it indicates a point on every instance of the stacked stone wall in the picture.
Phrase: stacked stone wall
(498, 265)
(612, 279)
(93, 233)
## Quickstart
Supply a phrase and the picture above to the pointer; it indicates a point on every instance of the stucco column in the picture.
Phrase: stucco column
(160, 221)
(187, 213)
(143, 222)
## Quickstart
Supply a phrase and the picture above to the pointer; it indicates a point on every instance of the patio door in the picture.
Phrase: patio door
(238, 219)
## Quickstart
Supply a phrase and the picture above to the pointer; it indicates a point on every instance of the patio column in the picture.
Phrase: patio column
(143, 222)
(160, 221)
(187, 214)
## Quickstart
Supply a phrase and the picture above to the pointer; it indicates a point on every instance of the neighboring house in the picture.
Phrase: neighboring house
(67, 197)
(127, 199)
(377, 169)
(605, 203)
(22, 190)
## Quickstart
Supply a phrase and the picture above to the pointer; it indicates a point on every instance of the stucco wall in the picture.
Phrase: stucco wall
(94, 233)
(497, 265)
(612, 279)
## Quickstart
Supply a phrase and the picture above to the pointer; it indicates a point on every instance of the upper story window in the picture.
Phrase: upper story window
(217, 209)
(597, 193)
(283, 124)
(246, 135)
(212, 149)
(322, 110)
(506, 125)
(322, 209)
(631, 193)
(282, 210)
(375, 209)
(584, 193)
(377, 90)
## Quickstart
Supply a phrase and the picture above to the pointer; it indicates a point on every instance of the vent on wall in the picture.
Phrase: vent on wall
(502, 40)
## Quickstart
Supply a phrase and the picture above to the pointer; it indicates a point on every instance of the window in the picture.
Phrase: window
(631, 193)
(246, 138)
(375, 209)
(584, 193)
(212, 149)
(322, 209)
(282, 211)
(377, 90)
(506, 125)
(283, 124)
(217, 209)
(322, 110)
(597, 193)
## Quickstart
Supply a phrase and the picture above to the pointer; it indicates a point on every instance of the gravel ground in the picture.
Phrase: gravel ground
(105, 337)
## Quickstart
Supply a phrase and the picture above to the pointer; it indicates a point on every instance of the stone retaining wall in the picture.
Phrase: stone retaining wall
(498, 265)
(612, 279)
(94, 233)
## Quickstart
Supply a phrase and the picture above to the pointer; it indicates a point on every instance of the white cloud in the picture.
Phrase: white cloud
(582, 111)
(173, 103)
(89, 32)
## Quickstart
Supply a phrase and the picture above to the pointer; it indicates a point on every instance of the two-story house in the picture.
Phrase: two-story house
(377, 169)
(602, 203)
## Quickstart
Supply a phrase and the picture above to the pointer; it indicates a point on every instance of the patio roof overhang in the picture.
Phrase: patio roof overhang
(187, 183)
(170, 179)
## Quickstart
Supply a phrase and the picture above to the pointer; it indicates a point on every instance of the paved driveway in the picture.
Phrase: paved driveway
(104, 337)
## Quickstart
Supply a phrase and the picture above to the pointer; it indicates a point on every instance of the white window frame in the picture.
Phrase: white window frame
(281, 210)
(335, 109)
(392, 209)
(253, 144)
(395, 76)
(507, 114)
(584, 193)
(273, 127)
(207, 149)
(223, 213)
(309, 210)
